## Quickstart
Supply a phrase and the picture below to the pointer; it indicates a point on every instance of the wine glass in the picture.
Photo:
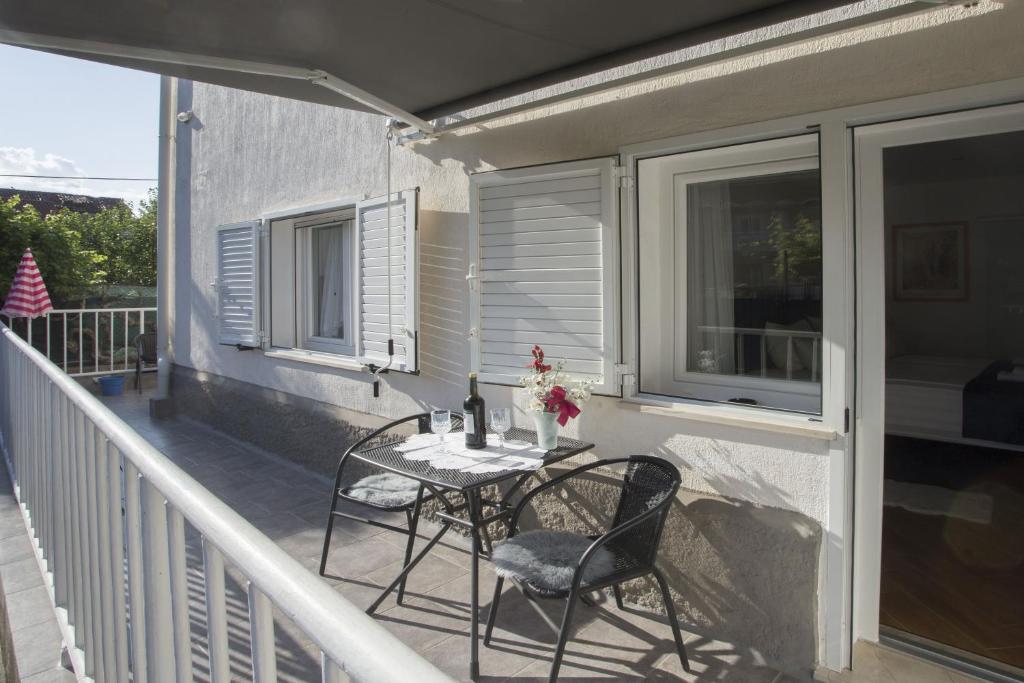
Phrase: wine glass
(501, 422)
(441, 424)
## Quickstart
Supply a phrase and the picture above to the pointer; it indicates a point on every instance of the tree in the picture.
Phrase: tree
(67, 267)
(80, 254)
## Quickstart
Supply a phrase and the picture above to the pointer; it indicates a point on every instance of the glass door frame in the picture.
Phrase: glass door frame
(870, 143)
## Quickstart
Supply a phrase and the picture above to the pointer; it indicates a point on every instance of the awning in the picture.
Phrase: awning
(416, 60)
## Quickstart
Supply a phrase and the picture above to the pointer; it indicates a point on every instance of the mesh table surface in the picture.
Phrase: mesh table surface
(386, 457)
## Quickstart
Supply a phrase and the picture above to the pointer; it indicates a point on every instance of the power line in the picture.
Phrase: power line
(72, 177)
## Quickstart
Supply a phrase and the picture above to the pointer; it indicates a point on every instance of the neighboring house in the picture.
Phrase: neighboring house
(49, 202)
(709, 248)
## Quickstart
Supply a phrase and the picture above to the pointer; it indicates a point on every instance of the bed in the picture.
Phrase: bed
(925, 397)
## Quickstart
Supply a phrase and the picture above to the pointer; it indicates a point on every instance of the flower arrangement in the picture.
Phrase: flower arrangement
(551, 391)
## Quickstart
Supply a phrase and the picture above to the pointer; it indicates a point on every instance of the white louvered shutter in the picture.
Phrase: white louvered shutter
(544, 270)
(375, 240)
(238, 286)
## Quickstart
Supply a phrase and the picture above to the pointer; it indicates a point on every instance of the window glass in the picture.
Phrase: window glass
(329, 274)
(731, 277)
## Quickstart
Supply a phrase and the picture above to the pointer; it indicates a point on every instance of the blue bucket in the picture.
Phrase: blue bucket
(112, 385)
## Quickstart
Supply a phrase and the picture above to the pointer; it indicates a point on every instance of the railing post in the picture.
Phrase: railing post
(117, 562)
(261, 636)
(216, 614)
(330, 672)
(179, 594)
(136, 582)
(108, 587)
(83, 613)
(157, 584)
(94, 586)
(61, 547)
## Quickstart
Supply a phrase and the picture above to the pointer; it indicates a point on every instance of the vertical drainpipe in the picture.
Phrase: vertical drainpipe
(166, 180)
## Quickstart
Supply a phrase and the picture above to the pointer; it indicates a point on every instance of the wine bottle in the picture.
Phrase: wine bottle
(473, 422)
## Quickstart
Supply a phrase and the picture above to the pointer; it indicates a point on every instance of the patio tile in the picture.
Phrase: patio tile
(15, 548)
(355, 559)
(19, 575)
(57, 675)
(28, 607)
(11, 525)
(37, 648)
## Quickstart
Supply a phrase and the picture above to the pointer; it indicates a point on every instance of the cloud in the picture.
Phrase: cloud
(25, 161)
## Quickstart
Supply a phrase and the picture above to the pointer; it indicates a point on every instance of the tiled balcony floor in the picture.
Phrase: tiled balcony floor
(289, 504)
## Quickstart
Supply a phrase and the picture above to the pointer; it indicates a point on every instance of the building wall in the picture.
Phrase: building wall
(245, 154)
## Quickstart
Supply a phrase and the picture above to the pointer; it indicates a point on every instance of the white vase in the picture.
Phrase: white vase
(547, 430)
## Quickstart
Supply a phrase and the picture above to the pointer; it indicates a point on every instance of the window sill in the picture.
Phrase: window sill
(735, 416)
(317, 358)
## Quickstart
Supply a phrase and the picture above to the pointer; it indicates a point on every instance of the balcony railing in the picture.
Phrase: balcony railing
(87, 341)
(739, 335)
(107, 512)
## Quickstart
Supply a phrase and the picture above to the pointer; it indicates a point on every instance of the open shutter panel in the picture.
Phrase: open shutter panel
(375, 240)
(238, 286)
(545, 245)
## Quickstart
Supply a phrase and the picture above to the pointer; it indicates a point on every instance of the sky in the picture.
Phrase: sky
(64, 116)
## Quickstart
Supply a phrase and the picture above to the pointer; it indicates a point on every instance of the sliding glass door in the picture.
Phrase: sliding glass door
(941, 385)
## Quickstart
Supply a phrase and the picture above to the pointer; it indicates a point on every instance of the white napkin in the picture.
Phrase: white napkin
(518, 456)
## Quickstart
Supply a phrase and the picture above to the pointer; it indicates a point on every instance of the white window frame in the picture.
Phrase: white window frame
(296, 310)
(656, 185)
(305, 316)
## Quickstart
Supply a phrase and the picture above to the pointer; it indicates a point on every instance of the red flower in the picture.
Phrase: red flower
(538, 360)
(558, 402)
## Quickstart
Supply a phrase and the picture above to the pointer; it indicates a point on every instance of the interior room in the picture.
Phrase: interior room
(952, 560)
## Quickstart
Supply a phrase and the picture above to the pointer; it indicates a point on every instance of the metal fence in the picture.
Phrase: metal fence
(87, 341)
(108, 513)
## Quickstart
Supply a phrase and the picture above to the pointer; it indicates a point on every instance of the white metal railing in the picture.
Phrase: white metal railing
(107, 512)
(87, 341)
(741, 333)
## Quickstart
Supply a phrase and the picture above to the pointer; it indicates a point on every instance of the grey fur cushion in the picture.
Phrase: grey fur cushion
(385, 490)
(546, 560)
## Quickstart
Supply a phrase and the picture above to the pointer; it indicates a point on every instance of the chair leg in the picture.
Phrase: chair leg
(670, 608)
(330, 530)
(563, 636)
(414, 519)
(493, 613)
(618, 596)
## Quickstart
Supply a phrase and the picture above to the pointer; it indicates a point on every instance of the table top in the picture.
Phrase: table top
(388, 458)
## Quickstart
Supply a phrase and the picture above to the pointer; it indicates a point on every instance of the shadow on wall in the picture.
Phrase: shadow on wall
(739, 572)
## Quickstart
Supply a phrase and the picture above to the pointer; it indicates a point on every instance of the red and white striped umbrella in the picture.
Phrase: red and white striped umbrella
(27, 297)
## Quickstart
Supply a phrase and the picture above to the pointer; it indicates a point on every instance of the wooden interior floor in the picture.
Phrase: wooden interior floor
(953, 581)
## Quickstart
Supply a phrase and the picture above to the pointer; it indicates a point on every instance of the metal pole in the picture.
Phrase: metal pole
(216, 614)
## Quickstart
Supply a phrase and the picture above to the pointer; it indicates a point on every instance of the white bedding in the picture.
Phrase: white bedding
(924, 395)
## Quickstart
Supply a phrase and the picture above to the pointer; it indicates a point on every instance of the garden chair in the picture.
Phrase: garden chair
(145, 355)
(384, 491)
(560, 564)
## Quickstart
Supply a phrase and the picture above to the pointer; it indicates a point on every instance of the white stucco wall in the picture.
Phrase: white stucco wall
(245, 154)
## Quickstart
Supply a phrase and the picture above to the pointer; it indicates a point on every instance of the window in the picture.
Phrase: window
(334, 279)
(325, 269)
(730, 276)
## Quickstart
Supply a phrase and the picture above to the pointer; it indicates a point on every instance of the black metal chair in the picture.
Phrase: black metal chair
(385, 491)
(145, 354)
(627, 551)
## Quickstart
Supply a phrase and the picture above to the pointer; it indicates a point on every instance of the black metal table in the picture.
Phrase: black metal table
(439, 483)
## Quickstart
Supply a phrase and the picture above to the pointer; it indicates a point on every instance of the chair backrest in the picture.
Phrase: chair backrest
(145, 346)
(649, 482)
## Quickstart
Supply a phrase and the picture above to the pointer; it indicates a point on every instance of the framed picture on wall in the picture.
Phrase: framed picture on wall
(930, 262)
